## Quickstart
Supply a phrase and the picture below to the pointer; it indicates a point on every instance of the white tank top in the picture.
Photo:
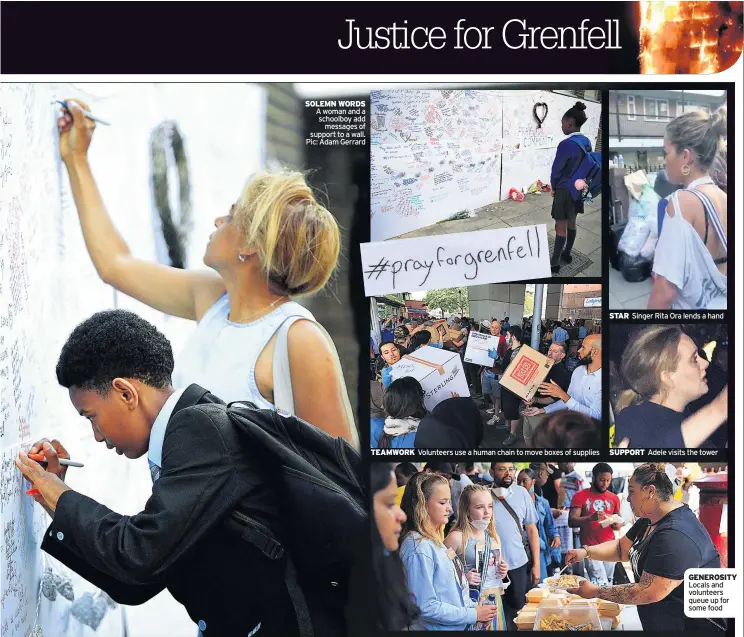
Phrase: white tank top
(221, 355)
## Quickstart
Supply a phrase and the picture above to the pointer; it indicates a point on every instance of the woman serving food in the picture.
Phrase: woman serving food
(666, 540)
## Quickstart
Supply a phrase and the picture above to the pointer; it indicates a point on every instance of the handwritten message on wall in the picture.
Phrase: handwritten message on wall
(435, 153)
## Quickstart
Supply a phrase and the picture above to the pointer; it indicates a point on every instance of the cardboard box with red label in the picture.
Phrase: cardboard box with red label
(526, 372)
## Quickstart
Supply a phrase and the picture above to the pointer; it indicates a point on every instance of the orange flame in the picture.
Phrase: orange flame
(689, 37)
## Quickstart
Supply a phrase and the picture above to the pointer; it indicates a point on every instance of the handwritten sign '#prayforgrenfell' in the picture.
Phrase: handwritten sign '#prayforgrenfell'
(454, 260)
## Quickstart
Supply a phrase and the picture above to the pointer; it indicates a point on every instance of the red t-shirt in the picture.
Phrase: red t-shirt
(591, 502)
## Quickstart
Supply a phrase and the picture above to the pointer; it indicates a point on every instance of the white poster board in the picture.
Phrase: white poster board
(48, 285)
(529, 149)
(439, 371)
(456, 260)
(435, 153)
(477, 348)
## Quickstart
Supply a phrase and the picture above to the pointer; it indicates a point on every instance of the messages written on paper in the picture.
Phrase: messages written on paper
(477, 350)
(455, 260)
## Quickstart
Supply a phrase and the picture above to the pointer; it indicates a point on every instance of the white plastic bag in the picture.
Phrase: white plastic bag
(634, 236)
(649, 247)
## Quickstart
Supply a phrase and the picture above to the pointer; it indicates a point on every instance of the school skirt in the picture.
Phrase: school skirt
(565, 208)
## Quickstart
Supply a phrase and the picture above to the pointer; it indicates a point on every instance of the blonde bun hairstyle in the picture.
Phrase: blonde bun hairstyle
(296, 238)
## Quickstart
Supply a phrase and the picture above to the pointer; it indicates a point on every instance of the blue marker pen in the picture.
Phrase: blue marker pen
(88, 114)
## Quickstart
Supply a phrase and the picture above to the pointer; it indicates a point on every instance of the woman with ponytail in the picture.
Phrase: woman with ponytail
(475, 540)
(664, 373)
(436, 575)
(691, 254)
(666, 540)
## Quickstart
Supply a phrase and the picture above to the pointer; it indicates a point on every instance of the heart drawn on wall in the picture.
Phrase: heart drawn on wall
(536, 109)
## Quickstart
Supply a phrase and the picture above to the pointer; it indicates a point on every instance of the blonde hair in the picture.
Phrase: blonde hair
(296, 238)
(699, 132)
(464, 524)
(650, 353)
(414, 502)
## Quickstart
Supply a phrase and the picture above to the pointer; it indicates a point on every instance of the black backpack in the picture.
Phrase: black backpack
(321, 492)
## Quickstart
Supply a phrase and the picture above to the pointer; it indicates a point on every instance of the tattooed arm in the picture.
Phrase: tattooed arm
(650, 589)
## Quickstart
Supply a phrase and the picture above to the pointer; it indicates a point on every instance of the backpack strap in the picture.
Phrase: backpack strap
(579, 143)
(263, 539)
(282, 377)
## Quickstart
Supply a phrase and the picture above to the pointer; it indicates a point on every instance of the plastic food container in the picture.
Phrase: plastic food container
(536, 595)
(611, 519)
(552, 583)
(575, 615)
(525, 620)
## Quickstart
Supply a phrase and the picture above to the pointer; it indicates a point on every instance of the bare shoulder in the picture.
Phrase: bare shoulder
(690, 207)
(306, 336)
(454, 540)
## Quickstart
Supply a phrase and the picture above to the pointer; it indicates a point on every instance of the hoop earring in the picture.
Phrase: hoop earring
(685, 170)
(645, 514)
(241, 258)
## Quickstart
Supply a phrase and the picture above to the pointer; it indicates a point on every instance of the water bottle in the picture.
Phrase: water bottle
(490, 601)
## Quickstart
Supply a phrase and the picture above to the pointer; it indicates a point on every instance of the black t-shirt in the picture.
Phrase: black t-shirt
(678, 542)
(561, 377)
(649, 425)
(549, 492)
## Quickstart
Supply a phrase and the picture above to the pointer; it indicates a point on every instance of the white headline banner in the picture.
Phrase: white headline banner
(455, 260)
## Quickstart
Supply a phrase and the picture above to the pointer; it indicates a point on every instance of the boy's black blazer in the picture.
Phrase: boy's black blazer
(180, 541)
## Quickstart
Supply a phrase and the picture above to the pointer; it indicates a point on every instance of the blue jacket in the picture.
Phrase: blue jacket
(445, 604)
(568, 158)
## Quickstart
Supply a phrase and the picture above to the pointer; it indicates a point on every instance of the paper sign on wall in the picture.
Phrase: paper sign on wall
(455, 260)
(526, 372)
(477, 350)
(440, 373)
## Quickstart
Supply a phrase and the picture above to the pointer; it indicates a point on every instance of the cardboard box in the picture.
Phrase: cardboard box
(526, 372)
(452, 335)
(439, 371)
(476, 351)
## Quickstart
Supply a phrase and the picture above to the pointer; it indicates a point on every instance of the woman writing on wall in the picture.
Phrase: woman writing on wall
(275, 243)
(690, 258)
(436, 575)
(664, 373)
(475, 540)
(666, 540)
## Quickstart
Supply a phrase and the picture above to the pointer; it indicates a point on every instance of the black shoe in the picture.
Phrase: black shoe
(554, 268)
(509, 441)
(566, 257)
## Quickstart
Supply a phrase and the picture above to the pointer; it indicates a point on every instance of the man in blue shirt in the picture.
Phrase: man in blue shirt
(585, 391)
(583, 332)
(559, 334)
